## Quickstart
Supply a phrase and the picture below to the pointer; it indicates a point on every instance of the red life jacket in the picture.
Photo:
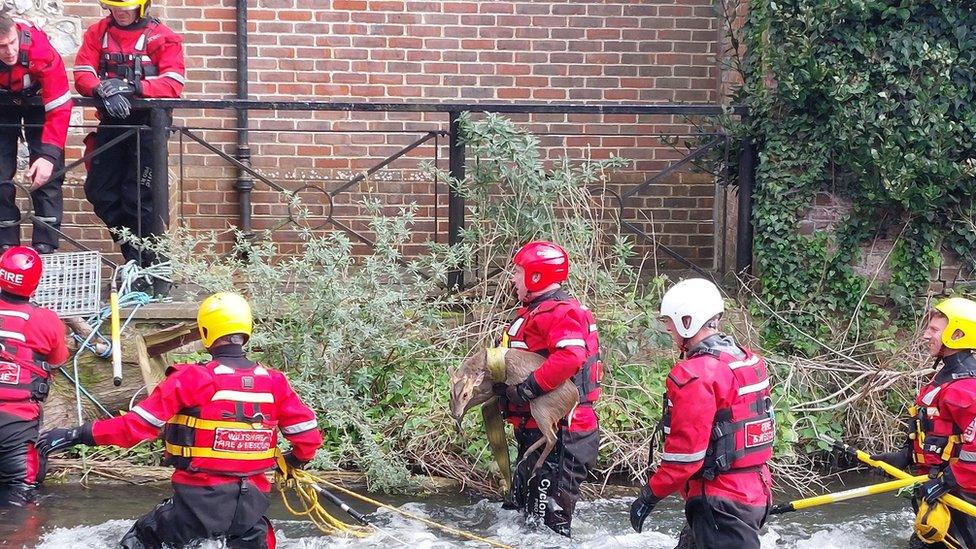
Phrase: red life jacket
(743, 432)
(16, 78)
(587, 380)
(132, 65)
(233, 431)
(23, 374)
(936, 440)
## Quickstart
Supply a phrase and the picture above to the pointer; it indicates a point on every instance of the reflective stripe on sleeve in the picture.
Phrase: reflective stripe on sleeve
(683, 458)
(149, 418)
(300, 427)
(55, 103)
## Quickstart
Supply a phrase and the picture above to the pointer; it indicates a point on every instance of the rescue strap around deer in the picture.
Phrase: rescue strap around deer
(494, 422)
(496, 363)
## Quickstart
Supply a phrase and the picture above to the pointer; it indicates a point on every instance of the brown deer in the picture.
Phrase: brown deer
(471, 385)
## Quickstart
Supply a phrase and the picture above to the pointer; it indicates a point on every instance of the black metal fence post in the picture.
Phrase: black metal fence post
(244, 183)
(744, 228)
(159, 121)
(455, 202)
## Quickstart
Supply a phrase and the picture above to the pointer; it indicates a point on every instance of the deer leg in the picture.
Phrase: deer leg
(549, 439)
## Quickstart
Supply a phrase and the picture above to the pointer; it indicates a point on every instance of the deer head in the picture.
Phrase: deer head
(470, 386)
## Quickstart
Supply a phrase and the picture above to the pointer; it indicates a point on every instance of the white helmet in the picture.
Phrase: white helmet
(697, 299)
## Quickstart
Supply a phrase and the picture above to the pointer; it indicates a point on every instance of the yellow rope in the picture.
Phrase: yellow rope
(304, 477)
(317, 514)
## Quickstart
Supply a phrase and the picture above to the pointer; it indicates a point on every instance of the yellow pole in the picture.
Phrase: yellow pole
(116, 336)
(949, 499)
(835, 497)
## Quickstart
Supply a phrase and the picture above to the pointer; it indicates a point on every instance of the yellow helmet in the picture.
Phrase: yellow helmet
(932, 522)
(142, 5)
(221, 314)
(961, 313)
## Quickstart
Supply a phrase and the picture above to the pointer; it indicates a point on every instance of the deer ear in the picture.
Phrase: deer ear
(479, 378)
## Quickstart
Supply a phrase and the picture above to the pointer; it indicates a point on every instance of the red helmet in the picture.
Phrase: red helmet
(20, 271)
(544, 263)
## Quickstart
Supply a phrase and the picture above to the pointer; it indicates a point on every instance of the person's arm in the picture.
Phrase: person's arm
(86, 62)
(183, 389)
(47, 333)
(297, 423)
(693, 408)
(48, 69)
(567, 349)
(960, 400)
(167, 53)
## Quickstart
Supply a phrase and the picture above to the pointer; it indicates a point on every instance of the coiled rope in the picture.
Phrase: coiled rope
(304, 482)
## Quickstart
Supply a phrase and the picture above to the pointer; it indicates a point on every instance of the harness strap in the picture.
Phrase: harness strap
(200, 452)
(210, 424)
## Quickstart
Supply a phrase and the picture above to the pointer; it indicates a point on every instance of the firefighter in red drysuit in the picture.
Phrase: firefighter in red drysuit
(127, 54)
(718, 427)
(942, 437)
(30, 66)
(219, 420)
(556, 326)
(32, 343)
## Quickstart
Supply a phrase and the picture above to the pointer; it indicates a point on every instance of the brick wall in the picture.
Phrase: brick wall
(573, 51)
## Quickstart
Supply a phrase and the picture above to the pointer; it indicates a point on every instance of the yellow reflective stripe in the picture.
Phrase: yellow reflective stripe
(198, 452)
(210, 424)
(243, 396)
(505, 340)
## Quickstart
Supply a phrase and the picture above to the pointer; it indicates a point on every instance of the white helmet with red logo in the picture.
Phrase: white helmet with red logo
(690, 304)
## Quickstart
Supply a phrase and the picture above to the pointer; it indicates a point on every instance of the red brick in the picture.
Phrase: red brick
(348, 5)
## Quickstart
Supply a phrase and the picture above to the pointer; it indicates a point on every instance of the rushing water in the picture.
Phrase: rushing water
(96, 518)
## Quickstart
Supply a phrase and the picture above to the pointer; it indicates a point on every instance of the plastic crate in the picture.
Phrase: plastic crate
(71, 283)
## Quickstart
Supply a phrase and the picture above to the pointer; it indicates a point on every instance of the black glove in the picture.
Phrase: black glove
(899, 458)
(117, 106)
(58, 440)
(523, 393)
(642, 507)
(115, 96)
(292, 462)
(937, 487)
(112, 87)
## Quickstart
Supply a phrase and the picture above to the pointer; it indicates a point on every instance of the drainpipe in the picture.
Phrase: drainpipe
(244, 183)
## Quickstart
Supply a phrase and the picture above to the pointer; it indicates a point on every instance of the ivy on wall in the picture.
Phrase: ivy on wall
(874, 101)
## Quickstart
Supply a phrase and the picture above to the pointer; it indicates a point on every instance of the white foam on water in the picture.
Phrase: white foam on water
(100, 536)
(601, 524)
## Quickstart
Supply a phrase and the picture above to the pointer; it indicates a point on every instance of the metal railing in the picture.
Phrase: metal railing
(160, 128)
